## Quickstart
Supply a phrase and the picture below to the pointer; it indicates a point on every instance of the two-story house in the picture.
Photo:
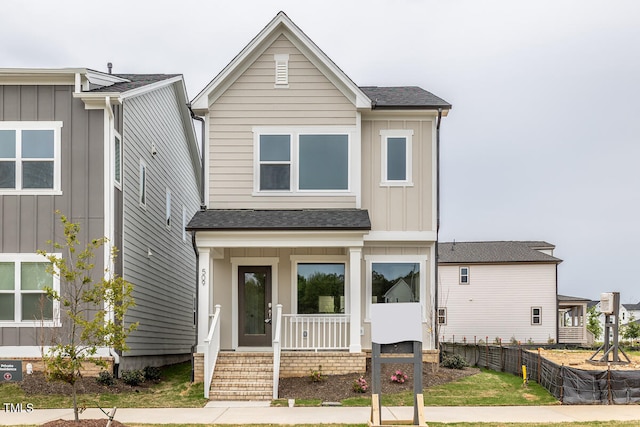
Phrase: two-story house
(321, 196)
(499, 290)
(118, 155)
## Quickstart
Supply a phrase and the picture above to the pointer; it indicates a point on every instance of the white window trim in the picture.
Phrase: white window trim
(142, 185)
(281, 70)
(56, 126)
(425, 298)
(117, 180)
(385, 134)
(167, 215)
(318, 259)
(444, 310)
(460, 282)
(30, 257)
(295, 133)
(536, 315)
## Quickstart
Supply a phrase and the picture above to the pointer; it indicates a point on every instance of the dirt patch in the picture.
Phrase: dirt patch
(334, 388)
(578, 359)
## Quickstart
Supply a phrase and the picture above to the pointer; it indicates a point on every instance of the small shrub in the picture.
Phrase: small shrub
(514, 341)
(316, 375)
(454, 361)
(399, 377)
(105, 378)
(360, 385)
(151, 373)
(133, 378)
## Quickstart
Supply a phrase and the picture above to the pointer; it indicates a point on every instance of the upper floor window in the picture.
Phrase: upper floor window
(23, 301)
(168, 209)
(442, 315)
(142, 189)
(30, 157)
(302, 162)
(396, 157)
(464, 275)
(117, 160)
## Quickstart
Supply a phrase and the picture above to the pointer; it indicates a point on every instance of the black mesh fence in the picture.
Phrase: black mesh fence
(569, 385)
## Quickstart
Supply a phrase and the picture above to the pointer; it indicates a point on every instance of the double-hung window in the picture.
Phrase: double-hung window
(396, 157)
(30, 157)
(536, 315)
(442, 315)
(117, 160)
(464, 275)
(302, 161)
(23, 301)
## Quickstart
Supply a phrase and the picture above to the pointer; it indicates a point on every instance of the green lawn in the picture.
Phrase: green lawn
(488, 388)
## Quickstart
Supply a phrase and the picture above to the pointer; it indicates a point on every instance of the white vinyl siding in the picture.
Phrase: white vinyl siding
(498, 304)
(252, 101)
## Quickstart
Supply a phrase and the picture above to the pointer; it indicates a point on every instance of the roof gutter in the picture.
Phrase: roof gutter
(436, 328)
(203, 205)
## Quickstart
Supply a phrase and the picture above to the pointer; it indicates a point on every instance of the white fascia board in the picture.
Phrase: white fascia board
(278, 239)
(400, 236)
(201, 101)
(150, 87)
(96, 100)
(40, 76)
(103, 79)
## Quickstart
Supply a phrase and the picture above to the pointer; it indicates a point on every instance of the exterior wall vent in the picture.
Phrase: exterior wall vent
(282, 70)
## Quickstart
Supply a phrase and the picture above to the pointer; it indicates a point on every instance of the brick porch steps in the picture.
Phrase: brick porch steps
(242, 376)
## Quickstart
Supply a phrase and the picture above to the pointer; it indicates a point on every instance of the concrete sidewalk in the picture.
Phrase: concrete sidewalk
(248, 413)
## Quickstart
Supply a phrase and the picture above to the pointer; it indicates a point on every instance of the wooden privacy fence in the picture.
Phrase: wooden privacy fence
(569, 385)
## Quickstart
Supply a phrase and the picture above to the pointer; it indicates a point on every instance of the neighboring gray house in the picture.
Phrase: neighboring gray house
(117, 154)
(491, 290)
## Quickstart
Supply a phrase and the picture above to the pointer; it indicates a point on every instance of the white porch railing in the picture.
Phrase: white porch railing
(276, 349)
(315, 332)
(572, 334)
(212, 347)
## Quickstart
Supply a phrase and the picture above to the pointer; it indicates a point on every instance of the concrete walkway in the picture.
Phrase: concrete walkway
(256, 413)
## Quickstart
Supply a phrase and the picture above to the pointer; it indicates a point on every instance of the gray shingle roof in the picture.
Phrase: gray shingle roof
(403, 97)
(135, 81)
(494, 252)
(289, 219)
(633, 307)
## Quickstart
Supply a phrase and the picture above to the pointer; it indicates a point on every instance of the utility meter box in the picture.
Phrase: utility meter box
(606, 303)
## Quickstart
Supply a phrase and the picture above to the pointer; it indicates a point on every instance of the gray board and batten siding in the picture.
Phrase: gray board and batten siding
(156, 259)
(27, 222)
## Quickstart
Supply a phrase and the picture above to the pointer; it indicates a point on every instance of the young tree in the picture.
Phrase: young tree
(593, 322)
(94, 305)
(631, 330)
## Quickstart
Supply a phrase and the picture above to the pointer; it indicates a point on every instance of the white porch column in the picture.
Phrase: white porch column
(355, 299)
(204, 296)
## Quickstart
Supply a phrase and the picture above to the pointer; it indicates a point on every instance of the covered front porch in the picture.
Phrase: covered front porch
(272, 284)
(572, 321)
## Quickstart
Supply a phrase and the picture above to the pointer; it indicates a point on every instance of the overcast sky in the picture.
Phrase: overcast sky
(543, 139)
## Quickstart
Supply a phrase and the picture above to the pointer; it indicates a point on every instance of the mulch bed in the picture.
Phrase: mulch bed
(37, 383)
(82, 423)
(334, 388)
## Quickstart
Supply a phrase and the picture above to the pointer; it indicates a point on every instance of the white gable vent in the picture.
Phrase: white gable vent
(282, 69)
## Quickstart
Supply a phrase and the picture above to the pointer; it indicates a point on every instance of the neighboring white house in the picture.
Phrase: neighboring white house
(497, 290)
(627, 313)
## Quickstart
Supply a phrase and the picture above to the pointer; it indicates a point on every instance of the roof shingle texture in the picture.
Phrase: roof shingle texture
(403, 97)
(288, 219)
(494, 252)
(135, 81)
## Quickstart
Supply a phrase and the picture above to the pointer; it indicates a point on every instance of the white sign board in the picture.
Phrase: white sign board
(606, 303)
(392, 323)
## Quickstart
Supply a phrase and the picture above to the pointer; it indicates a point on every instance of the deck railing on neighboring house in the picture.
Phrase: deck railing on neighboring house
(212, 347)
(315, 332)
(276, 349)
(572, 335)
